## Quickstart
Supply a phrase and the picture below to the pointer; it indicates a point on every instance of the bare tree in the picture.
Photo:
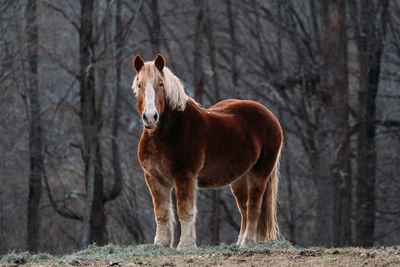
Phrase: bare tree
(216, 87)
(199, 77)
(334, 81)
(155, 32)
(35, 130)
(234, 47)
(369, 25)
(118, 40)
(92, 118)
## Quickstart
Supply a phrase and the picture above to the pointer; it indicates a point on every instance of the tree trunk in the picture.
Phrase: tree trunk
(214, 221)
(198, 44)
(369, 38)
(334, 89)
(117, 187)
(89, 198)
(317, 162)
(90, 123)
(98, 231)
(155, 33)
(234, 49)
(212, 54)
(291, 219)
(342, 164)
(35, 132)
(316, 137)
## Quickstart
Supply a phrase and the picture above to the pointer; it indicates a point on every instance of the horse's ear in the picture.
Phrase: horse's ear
(138, 63)
(159, 61)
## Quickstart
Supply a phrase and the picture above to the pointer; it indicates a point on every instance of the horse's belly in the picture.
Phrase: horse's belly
(222, 173)
(229, 156)
(212, 182)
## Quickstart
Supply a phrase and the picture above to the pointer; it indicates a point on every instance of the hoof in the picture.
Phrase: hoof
(182, 246)
(247, 241)
(163, 243)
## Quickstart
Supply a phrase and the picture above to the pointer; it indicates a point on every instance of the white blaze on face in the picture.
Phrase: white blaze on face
(149, 100)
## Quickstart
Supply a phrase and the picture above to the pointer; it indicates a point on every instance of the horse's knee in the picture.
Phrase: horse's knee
(187, 217)
(163, 218)
(186, 200)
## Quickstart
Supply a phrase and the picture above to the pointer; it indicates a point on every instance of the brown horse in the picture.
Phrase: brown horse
(235, 142)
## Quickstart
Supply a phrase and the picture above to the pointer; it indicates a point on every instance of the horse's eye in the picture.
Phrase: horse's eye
(161, 85)
(138, 85)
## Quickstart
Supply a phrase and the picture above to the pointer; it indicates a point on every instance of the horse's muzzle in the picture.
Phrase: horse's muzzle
(150, 120)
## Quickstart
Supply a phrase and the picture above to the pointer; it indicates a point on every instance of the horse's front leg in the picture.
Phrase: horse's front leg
(186, 200)
(161, 195)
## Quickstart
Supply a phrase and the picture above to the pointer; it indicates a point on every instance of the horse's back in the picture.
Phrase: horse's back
(254, 115)
(222, 104)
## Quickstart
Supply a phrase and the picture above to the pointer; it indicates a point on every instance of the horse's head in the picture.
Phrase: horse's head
(149, 88)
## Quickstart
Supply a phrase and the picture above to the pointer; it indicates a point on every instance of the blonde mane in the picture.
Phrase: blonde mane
(174, 91)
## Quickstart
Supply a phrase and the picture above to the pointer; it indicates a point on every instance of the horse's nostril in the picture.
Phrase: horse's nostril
(156, 117)
(144, 117)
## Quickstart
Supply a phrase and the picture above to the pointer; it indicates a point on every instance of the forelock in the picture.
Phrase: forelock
(174, 91)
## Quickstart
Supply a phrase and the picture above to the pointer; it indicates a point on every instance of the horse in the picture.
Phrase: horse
(185, 146)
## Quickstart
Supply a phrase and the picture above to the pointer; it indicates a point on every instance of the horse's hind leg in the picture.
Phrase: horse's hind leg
(161, 195)
(186, 200)
(239, 191)
(255, 190)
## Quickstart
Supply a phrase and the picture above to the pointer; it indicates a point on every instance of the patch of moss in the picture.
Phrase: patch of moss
(24, 257)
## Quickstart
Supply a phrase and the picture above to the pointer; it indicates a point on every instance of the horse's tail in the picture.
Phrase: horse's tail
(268, 223)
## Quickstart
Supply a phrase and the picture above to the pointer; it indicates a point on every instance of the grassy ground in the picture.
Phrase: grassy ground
(277, 253)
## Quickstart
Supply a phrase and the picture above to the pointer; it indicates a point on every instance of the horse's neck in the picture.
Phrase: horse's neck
(174, 122)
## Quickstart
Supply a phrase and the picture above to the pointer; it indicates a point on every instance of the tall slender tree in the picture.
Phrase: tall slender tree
(334, 82)
(90, 123)
(342, 160)
(35, 130)
(155, 32)
(117, 106)
(215, 220)
(199, 77)
(369, 21)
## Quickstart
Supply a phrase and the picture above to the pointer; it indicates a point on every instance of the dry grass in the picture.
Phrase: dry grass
(278, 253)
